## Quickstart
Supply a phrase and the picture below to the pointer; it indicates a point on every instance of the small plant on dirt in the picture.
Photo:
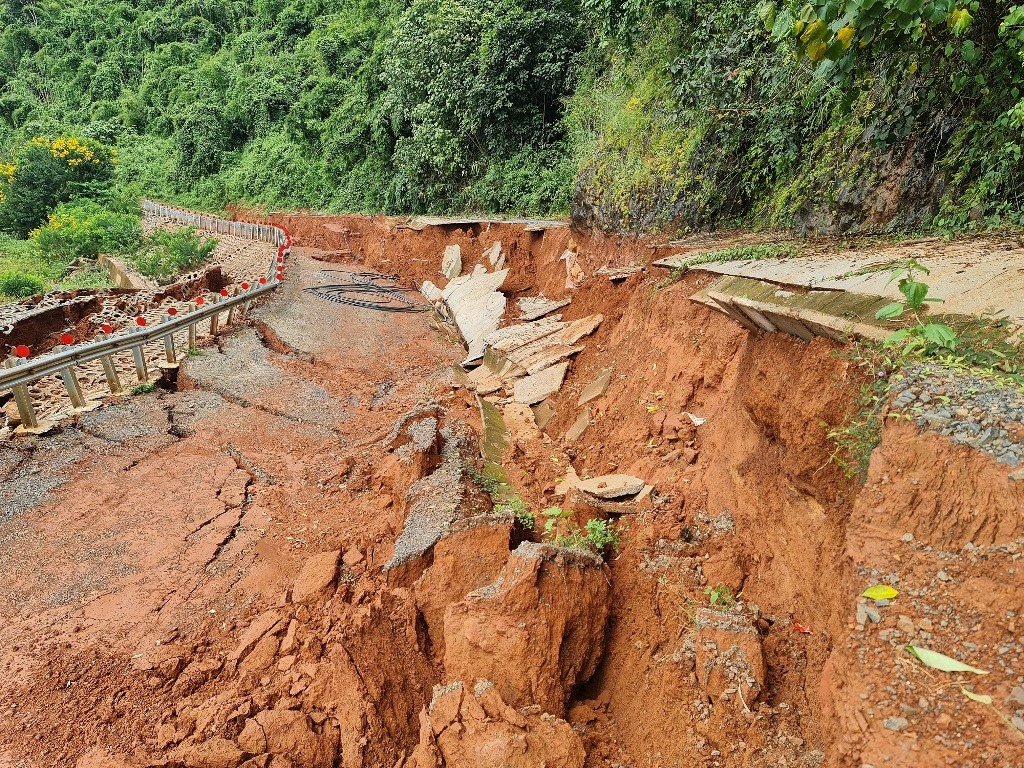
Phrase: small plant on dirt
(597, 536)
(924, 336)
(484, 481)
(602, 534)
(518, 509)
(553, 516)
(720, 597)
(143, 388)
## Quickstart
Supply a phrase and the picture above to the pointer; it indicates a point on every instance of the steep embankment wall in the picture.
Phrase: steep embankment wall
(750, 500)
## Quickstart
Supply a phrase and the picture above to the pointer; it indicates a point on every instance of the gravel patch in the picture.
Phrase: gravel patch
(974, 410)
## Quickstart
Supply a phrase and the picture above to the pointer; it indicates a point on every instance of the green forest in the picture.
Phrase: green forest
(830, 115)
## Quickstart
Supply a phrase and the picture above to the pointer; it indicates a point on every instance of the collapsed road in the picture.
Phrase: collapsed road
(614, 537)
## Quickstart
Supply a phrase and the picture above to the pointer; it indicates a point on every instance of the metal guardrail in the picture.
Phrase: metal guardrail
(18, 372)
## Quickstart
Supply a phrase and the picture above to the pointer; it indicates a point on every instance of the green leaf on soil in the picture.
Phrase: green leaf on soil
(942, 662)
(981, 698)
(880, 592)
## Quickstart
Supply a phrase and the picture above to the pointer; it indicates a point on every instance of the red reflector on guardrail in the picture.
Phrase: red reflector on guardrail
(172, 311)
(107, 328)
(67, 338)
(140, 321)
(22, 351)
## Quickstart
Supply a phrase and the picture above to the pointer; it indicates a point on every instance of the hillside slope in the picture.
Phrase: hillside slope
(825, 116)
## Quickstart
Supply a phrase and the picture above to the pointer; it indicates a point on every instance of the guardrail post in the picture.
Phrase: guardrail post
(169, 338)
(74, 388)
(215, 319)
(231, 312)
(23, 399)
(70, 379)
(192, 330)
(109, 371)
(138, 352)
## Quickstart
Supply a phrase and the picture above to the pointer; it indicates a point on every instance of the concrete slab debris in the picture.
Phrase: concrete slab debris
(580, 426)
(597, 387)
(579, 328)
(451, 262)
(512, 337)
(430, 291)
(494, 255)
(540, 386)
(617, 274)
(476, 306)
(543, 414)
(612, 486)
(535, 307)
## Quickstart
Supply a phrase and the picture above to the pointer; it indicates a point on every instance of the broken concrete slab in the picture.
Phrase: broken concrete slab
(543, 358)
(543, 414)
(580, 426)
(477, 307)
(430, 291)
(540, 386)
(512, 337)
(597, 387)
(612, 486)
(451, 262)
(535, 307)
(494, 255)
(616, 274)
(579, 328)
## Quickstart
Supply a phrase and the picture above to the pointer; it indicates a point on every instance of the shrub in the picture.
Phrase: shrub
(85, 229)
(168, 253)
(18, 285)
(45, 172)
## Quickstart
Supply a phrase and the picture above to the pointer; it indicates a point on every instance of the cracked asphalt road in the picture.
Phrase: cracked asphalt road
(171, 513)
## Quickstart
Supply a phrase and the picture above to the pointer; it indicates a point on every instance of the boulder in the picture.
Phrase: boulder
(316, 577)
(465, 728)
(537, 631)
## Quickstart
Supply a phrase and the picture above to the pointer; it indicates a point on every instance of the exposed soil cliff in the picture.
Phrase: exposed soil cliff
(361, 603)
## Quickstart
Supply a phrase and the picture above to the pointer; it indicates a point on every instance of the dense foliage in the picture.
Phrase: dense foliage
(828, 114)
(343, 104)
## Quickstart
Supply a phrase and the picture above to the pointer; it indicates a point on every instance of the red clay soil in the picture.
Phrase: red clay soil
(168, 602)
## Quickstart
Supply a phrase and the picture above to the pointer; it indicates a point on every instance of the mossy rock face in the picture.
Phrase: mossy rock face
(649, 170)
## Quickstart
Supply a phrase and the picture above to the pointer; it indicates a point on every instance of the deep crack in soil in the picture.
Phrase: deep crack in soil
(291, 561)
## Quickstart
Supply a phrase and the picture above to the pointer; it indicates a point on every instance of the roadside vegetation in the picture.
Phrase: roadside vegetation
(988, 347)
(678, 114)
(61, 207)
